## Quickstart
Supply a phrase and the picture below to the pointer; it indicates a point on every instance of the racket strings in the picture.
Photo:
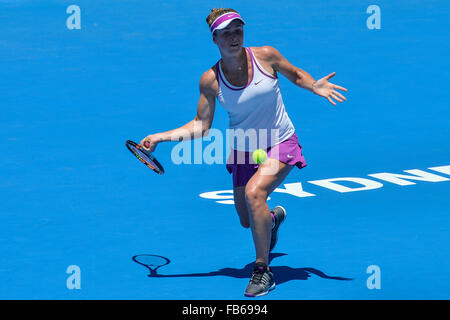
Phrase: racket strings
(147, 158)
(143, 156)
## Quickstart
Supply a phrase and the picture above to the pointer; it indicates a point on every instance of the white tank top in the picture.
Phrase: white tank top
(258, 106)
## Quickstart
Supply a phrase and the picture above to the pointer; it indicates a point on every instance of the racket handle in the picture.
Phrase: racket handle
(147, 144)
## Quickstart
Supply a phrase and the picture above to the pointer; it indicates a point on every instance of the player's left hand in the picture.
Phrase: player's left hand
(327, 90)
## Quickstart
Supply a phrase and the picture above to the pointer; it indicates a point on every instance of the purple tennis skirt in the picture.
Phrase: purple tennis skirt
(242, 166)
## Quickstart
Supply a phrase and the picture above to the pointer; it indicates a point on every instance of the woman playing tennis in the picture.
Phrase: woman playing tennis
(245, 82)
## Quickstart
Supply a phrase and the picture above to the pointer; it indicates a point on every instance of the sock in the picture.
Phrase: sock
(261, 266)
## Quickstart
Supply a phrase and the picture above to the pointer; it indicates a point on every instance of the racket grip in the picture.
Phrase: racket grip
(147, 144)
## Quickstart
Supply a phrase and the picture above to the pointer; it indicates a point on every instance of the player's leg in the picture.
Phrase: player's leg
(241, 206)
(268, 177)
(257, 190)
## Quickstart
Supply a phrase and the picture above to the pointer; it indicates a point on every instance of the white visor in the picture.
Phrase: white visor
(224, 20)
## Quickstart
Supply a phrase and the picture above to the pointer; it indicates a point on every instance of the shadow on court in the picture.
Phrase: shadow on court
(282, 273)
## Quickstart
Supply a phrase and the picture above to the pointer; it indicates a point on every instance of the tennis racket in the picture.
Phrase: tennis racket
(145, 156)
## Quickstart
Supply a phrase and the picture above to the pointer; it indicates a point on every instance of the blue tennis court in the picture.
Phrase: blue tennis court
(368, 218)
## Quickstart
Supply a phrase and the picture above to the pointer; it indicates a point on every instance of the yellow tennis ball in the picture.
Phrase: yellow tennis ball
(259, 156)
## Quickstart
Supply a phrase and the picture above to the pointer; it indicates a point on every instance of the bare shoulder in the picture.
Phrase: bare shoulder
(268, 57)
(266, 53)
(208, 82)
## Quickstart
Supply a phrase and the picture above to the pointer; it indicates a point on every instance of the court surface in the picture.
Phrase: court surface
(72, 195)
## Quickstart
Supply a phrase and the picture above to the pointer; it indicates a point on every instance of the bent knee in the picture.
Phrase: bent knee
(245, 224)
(243, 215)
(253, 194)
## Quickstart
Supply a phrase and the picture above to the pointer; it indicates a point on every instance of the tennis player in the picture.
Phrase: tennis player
(245, 82)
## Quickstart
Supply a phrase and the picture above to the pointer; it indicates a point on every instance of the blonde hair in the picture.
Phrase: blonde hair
(215, 13)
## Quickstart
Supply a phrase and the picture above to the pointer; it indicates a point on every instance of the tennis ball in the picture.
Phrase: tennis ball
(259, 156)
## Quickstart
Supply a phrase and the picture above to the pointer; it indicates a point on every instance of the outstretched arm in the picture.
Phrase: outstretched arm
(195, 128)
(303, 79)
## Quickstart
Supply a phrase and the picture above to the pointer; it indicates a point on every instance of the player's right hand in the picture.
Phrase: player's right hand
(150, 142)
